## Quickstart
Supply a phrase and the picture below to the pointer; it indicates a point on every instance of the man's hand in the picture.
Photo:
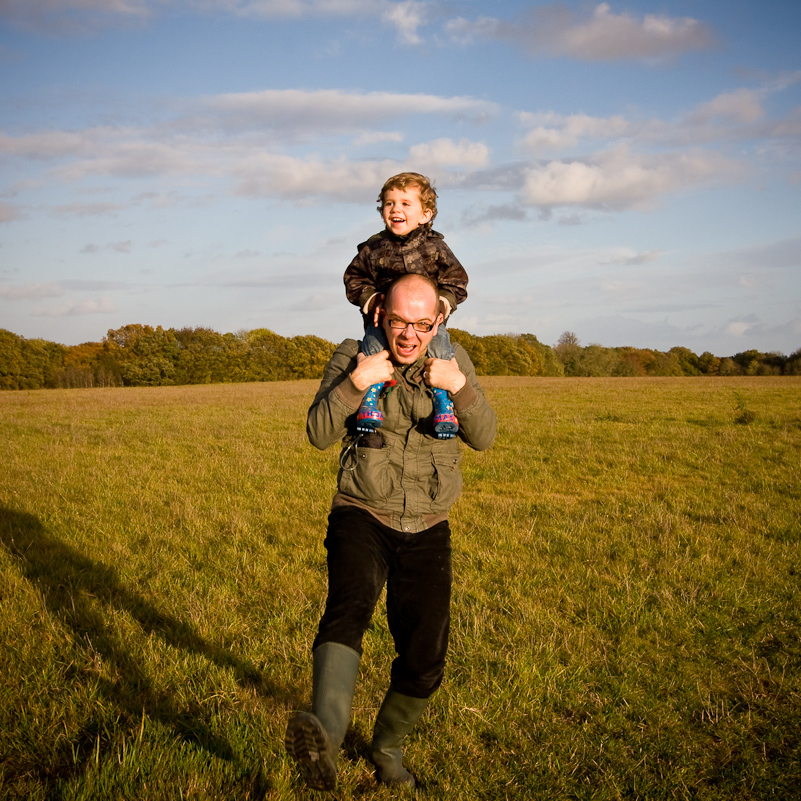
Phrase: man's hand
(445, 375)
(371, 370)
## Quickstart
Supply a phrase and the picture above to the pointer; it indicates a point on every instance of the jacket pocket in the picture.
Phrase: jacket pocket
(369, 478)
(446, 484)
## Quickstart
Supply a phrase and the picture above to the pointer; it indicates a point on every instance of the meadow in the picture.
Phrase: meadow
(626, 610)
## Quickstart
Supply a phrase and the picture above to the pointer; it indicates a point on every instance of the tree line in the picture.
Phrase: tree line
(140, 355)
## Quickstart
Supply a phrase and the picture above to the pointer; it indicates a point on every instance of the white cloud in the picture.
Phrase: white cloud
(738, 115)
(610, 37)
(604, 36)
(738, 328)
(326, 111)
(87, 209)
(307, 179)
(119, 247)
(247, 143)
(631, 258)
(447, 153)
(30, 291)
(550, 131)
(62, 17)
(784, 255)
(465, 32)
(9, 213)
(739, 106)
(236, 142)
(376, 137)
(77, 308)
(49, 144)
(407, 17)
(618, 179)
(59, 17)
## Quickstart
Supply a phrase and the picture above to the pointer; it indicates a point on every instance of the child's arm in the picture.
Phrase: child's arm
(451, 278)
(360, 280)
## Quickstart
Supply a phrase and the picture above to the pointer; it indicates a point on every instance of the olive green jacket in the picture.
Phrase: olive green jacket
(403, 475)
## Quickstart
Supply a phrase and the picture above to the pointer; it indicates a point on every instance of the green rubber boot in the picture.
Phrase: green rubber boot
(313, 738)
(396, 718)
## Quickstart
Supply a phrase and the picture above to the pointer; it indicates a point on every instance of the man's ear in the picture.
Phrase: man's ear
(377, 312)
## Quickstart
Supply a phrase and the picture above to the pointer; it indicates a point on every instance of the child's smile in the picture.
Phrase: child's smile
(403, 212)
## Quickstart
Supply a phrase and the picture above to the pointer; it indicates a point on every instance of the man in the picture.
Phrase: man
(388, 524)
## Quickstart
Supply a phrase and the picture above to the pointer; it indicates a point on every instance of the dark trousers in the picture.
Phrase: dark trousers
(363, 555)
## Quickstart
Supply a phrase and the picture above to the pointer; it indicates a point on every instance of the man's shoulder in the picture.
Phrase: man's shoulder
(460, 351)
(348, 347)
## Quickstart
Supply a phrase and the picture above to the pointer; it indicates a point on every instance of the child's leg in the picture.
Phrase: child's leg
(445, 423)
(374, 340)
(440, 346)
(369, 416)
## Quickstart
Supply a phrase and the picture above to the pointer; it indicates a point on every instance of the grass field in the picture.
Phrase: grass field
(626, 615)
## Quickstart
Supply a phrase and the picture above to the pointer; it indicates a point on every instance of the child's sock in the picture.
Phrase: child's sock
(445, 423)
(369, 416)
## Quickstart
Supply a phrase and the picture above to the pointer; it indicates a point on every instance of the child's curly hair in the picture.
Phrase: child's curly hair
(404, 180)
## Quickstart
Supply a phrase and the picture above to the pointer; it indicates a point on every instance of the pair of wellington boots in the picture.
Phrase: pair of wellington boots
(369, 417)
(313, 739)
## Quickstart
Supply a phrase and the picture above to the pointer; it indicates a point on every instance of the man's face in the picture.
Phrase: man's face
(402, 210)
(410, 304)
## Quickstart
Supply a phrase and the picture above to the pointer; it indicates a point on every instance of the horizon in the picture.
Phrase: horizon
(510, 334)
(625, 174)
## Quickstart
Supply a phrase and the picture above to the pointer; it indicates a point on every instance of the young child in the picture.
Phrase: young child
(408, 244)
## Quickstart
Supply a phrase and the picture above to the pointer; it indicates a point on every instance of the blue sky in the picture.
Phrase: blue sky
(628, 171)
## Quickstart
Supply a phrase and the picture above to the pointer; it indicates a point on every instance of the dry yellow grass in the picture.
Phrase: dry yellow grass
(625, 617)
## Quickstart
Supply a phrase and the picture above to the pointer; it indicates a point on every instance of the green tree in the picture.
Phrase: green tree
(568, 351)
(549, 363)
(793, 364)
(267, 355)
(689, 363)
(665, 364)
(709, 364)
(474, 347)
(146, 355)
(10, 359)
(596, 361)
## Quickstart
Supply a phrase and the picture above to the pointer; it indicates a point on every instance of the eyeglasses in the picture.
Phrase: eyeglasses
(401, 325)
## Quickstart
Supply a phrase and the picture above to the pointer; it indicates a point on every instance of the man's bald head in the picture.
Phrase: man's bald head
(411, 299)
(414, 285)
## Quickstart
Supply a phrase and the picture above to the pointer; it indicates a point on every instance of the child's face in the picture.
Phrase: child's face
(403, 212)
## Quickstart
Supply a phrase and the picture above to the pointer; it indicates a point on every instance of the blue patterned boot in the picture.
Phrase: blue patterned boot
(370, 417)
(445, 423)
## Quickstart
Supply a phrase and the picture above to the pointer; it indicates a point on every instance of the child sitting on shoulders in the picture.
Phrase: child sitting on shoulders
(408, 244)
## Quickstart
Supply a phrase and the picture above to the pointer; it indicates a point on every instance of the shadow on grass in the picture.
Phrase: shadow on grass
(79, 591)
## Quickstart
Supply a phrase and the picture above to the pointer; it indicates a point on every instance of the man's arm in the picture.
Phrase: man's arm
(336, 399)
(347, 377)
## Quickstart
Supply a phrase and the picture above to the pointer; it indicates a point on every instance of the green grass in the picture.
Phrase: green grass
(625, 612)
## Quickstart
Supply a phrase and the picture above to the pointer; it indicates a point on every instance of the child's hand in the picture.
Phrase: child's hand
(444, 375)
(377, 304)
(371, 370)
